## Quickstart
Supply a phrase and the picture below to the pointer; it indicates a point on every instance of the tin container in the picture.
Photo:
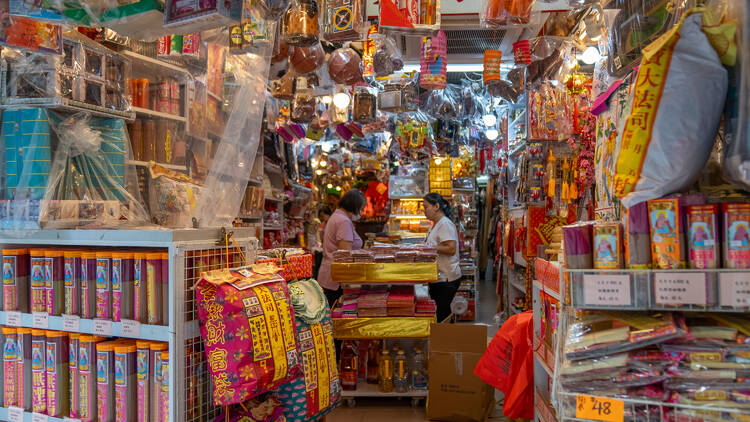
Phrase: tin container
(16, 280)
(736, 234)
(23, 369)
(667, 246)
(10, 366)
(88, 285)
(72, 279)
(155, 369)
(58, 377)
(104, 285)
(703, 229)
(38, 371)
(105, 385)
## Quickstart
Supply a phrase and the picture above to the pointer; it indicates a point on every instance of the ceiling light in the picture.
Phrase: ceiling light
(329, 186)
(323, 163)
(326, 99)
(590, 55)
(492, 134)
(489, 119)
(341, 100)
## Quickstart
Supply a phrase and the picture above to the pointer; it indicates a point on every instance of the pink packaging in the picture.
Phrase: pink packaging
(73, 346)
(87, 380)
(23, 369)
(191, 44)
(38, 292)
(143, 383)
(105, 386)
(103, 285)
(58, 390)
(72, 278)
(16, 280)
(10, 365)
(156, 410)
(54, 282)
(125, 397)
(38, 371)
(88, 285)
(164, 388)
(165, 43)
(139, 288)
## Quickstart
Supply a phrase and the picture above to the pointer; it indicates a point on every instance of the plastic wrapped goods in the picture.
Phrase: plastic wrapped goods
(342, 19)
(306, 59)
(667, 235)
(703, 241)
(433, 61)
(300, 23)
(578, 241)
(735, 220)
(173, 197)
(345, 66)
(607, 245)
(387, 57)
(637, 237)
(669, 134)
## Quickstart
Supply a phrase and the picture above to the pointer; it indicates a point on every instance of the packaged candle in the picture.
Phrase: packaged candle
(104, 285)
(164, 279)
(125, 388)
(54, 281)
(607, 245)
(16, 280)
(58, 390)
(87, 382)
(10, 365)
(703, 227)
(143, 383)
(38, 292)
(122, 285)
(736, 232)
(164, 387)
(578, 242)
(72, 277)
(88, 285)
(105, 386)
(73, 346)
(637, 237)
(667, 246)
(139, 287)
(23, 369)
(153, 287)
(155, 376)
(38, 371)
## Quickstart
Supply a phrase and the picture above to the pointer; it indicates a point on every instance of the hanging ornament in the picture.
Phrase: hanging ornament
(575, 82)
(551, 174)
(491, 73)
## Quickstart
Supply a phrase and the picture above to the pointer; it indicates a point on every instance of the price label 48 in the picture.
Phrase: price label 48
(599, 408)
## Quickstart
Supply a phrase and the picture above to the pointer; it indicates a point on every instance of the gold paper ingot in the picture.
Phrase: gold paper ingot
(423, 272)
(377, 328)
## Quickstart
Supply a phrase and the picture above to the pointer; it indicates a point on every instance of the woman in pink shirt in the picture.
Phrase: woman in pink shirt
(339, 234)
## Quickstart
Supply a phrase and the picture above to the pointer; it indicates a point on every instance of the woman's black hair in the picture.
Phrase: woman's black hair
(353, 201)
(437, 199)
(324, 210)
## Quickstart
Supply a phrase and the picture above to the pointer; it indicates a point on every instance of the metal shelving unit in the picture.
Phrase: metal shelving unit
(547, 279)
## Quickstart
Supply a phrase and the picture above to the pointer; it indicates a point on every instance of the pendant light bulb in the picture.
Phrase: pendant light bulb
(341, 100)
(590, 55)
(489, 119)
(491, 134)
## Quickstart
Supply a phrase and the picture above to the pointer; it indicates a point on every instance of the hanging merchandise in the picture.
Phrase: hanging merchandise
(505, 12)
(304, 60)
(246, 322)
(300, 23)
(345, 66)
(410, 16)
(186, 17)
(491, 73)
(433, 61)
(670, 132)
(387, 58)
(549, 114)
(303, 104)
(441, 104)
(342, 19)
(365, 105)
(552, 59)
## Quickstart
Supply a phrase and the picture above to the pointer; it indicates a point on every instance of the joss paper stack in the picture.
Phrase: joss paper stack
(373, 303)
(424, 306)
(406, 256)
(342, 255)
(362, 256)
(425, 256)
(385, 258)
(401, 301)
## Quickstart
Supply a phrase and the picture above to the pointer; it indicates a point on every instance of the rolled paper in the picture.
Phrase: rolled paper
(578, 242)
(122, 285)
(58, 390)
(105, 386)
(10, 366)
(637, 237)
(72, 278)
(73, 346)
(38, 371)
(125, 389)
(143, 383)
(54, 281)
(736, 233)
(16, 280)
(665, 220)
(607, 245)
(23, 369)
(38, 292)
(104, 285)
(88, 285)
(139, 288)
(703, 228)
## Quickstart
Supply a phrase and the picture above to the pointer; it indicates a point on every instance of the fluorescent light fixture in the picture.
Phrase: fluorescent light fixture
(457, 67)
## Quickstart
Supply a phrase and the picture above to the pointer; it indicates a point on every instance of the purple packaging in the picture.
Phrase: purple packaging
(637, 237)
(578, 240)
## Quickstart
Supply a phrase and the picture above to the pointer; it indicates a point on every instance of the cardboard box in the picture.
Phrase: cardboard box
(455, 393)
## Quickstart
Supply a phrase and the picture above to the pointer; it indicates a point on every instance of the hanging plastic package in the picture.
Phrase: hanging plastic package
(433, 61)
(345, 66)
(671, 129)
(173, 197)
(184, 17)
(247, 326)
(306, 59)
(505, 12)
(491, 73)
(300, 23)
(317, 391)
(342, 19)
(387, 57)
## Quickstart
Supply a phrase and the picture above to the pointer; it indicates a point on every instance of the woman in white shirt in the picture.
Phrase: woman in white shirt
(444, 237)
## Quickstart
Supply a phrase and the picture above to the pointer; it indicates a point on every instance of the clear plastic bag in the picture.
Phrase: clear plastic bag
(552, 59)
(387, 57)
(345, 66)
(173, 197)
(306, 59)
(505, 12)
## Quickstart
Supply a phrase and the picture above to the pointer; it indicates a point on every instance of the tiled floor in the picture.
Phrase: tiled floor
(394, 410)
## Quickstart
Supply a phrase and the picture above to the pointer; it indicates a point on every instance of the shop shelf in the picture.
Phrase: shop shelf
(547, 290)
(155, 65)
(86, 326)
(146, 164)
(28, 416)
(371, 390)
(384, 273)
(717, 290)
(653, 411)
(157, 114)
(543, 409)
(380, 328)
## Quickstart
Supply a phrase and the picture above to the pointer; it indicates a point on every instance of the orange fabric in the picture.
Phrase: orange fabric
(507, 365)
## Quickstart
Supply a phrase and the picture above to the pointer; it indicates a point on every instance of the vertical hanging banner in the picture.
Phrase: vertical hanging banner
(491, 65)
(433, 62)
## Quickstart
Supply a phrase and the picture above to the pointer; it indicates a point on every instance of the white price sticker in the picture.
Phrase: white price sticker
(607, 289)
(39, 417)
(680, 288)
(40, 320)
(734, 290)
(103, 327)
(67, 419)
(15, 414)
(13, 318)
(71, 323)
(131, 328)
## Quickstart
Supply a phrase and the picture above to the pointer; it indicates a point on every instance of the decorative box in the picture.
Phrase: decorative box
(186, 16)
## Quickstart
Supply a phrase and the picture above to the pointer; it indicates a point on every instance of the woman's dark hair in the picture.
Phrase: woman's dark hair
(324, 210)
(353, 201)
(437, 199)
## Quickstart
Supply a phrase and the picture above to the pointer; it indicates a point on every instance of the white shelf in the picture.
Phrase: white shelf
(157, 114)
(412, 197)
(547, 290)
(86, 326)
(155, 63)
(146, 164)
(27, 416)
(371, 390)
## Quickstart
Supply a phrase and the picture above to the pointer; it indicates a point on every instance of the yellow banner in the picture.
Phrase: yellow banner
(270, 312)
(378, 328)
(322, 358)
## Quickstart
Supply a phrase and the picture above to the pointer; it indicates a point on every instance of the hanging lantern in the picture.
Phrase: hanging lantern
(491, 71)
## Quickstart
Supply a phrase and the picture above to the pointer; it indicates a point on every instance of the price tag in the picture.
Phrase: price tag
(71, 323)
(599, 408)
(680, 288)
(39, 417)
(15, 414)
(131, 328)
(103, 327)
(67, 419)
(607, 289)
(734, 290)
(13, 318)
(40, 320)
